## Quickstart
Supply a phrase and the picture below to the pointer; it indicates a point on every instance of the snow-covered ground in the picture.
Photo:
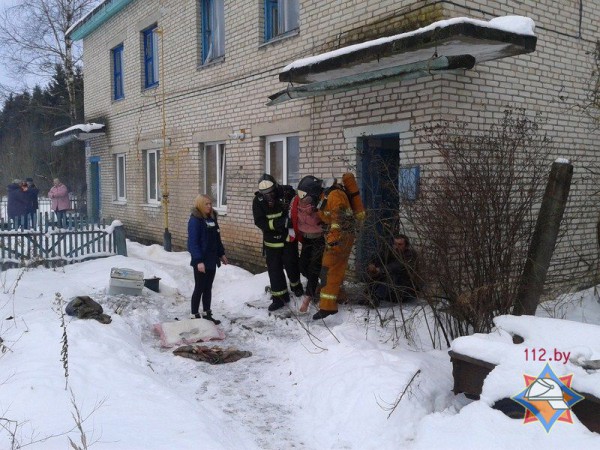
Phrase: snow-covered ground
(307, 385)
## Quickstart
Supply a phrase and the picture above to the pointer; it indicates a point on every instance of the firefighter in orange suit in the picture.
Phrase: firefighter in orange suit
(335, 210)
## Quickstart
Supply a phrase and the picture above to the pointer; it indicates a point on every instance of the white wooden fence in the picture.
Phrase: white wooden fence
(51, 246)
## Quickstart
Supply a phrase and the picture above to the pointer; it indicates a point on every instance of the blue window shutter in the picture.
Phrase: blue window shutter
(149, 58)
(207, 12)
(408, 183)
(117, 53)
(271, 12)
(206, 31)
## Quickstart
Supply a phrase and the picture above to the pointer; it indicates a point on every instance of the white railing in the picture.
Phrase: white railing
(51, 246)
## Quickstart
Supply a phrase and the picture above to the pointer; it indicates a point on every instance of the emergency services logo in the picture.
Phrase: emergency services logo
(548, 398)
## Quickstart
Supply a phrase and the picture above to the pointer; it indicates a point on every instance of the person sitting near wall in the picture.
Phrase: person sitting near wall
(394, 277)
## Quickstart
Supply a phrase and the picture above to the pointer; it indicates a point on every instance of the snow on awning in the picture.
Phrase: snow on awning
(96, 18)
(80, 132)
(451, 44)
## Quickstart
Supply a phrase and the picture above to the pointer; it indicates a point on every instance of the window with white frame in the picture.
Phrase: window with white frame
(120, 165)
(117, 78)
(153, 176)
(283, 158)
(281, 17)
(215, 173)
(151, 74)
(213, 30)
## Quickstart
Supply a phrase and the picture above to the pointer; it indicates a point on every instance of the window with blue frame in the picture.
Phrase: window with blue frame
(408, 183)
(281, 17)
(150, 36)
(213, 30)
(117, 66)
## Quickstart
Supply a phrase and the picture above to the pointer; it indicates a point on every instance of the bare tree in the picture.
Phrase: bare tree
(591, 106)
(33, 39)
(476, 217)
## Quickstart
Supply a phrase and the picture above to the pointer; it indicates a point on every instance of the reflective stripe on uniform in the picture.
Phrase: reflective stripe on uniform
(272, 217)
(328, 296)
(273, 244)
(279, 293)
(295, 284)
(335, 226)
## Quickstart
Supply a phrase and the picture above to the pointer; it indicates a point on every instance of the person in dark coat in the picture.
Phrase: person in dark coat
(394, 277)
(271, 210)
(207, 251)
(17, 203)
(33, 205)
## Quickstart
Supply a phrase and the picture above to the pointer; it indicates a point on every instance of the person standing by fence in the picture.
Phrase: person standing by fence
(17, 202)
(33, 205)
(59, 194)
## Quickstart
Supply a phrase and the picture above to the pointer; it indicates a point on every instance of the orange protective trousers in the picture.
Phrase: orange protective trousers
(333, 270)
(337, 250)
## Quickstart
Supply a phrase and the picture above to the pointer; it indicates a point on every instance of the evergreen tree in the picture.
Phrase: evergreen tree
(28, 122)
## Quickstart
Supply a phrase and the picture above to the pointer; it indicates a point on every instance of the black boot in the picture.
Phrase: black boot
(195, 316)
(321, 314)
(208, 316)
(277, 304)
(297, 289)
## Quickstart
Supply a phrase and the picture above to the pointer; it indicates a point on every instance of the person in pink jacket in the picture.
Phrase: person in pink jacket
(59, 194)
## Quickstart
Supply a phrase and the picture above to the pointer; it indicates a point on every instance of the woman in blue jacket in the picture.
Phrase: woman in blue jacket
(206, 248)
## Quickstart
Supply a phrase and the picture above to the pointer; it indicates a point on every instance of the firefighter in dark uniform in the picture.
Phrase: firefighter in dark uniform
(270, 209)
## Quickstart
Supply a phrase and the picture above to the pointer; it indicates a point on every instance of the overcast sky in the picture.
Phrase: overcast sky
(5, 79)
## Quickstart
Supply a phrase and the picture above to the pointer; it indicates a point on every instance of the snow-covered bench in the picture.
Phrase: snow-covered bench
(491, 367)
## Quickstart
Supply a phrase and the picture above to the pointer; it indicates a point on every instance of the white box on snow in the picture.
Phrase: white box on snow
(125, 281)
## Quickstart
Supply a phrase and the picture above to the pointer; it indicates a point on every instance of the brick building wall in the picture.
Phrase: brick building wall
(207, 103)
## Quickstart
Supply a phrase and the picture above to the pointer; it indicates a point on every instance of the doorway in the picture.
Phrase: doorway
(378, 167)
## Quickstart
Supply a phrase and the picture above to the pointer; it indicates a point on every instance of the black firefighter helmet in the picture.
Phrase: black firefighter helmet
(311, 186)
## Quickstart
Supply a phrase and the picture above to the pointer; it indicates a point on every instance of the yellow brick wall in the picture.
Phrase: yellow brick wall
(231, 95)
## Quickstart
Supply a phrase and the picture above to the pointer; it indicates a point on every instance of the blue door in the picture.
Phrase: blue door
(379, 163)
(94, 191)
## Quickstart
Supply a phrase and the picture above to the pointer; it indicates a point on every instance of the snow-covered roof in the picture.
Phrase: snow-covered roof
(79, 132)
(83, 127)
(446, 45)
(95, 18)
(512, 24)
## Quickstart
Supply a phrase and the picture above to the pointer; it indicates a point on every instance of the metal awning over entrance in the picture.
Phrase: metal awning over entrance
(442, 46)
(80, 132)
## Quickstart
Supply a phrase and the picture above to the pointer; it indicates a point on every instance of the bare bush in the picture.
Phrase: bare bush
(475, 216)
(591, 105)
